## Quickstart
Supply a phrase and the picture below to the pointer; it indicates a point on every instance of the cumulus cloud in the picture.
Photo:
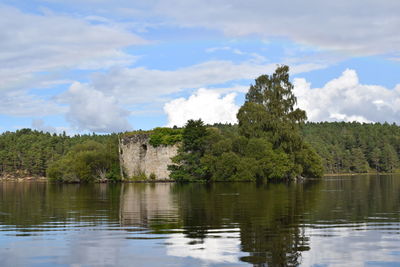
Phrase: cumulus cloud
(346, 99)
(208, 105)
(91, 110)
(341, 99)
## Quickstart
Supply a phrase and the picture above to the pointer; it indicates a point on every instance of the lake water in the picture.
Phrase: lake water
(336, 221)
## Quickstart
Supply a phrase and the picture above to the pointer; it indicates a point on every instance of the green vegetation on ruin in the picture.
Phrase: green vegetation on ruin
(160, 135)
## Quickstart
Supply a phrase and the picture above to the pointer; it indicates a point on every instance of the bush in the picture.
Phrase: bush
(153, 176)
(86, 162)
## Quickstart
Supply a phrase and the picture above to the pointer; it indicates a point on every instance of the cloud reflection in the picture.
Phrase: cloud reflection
(353, 245)
(215, 248)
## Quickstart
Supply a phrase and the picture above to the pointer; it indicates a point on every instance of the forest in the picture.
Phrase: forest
(80, 158)
(272, 141)
(355, 147)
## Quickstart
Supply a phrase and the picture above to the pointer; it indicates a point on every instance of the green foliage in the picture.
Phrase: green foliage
(247, 160)
(36, 153)
(138, 176)
(269, 111)
(309, 161)
(355, 147)
(165, 136)
(187, 164)
(266, 144)
(152, 176)
(269, 116)
(87, 162)
(160, 135)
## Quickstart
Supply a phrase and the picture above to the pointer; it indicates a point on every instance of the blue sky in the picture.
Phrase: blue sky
(109, 66)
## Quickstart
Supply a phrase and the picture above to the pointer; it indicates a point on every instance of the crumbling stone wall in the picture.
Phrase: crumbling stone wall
(138, 156)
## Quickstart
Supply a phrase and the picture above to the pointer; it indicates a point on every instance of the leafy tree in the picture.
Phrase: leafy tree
(187, 164)
(86, 162)
(309, 162)
(389, 158)
(269, 112)
(358, 161)
(375, 157)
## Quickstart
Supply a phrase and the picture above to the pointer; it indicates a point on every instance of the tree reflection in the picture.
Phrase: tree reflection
(29, 204)
(269, 216)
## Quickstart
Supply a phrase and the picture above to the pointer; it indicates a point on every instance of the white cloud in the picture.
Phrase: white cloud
(130, 87)
(256, 58)
(357, 27)
(341, 99)
(346, 99)
(208, 105)
(134, 85)
(40, 125)
(36, 48)
(218, 48)
(91, 110)
(360, 27)
(21, 103)
(32, 43)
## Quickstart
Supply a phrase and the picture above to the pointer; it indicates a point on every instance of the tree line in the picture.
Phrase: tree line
(355, 147)
(60, 157)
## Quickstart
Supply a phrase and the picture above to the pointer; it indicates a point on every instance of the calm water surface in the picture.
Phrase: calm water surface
(337, 221)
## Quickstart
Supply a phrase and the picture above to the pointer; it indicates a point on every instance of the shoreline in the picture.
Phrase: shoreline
(355, 174)
(44, 179)
(23, 179)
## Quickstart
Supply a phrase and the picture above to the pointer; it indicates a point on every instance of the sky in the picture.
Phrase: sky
(111, 66)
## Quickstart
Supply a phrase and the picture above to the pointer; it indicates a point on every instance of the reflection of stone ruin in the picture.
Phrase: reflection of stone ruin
(142, 203)
(138, 156)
